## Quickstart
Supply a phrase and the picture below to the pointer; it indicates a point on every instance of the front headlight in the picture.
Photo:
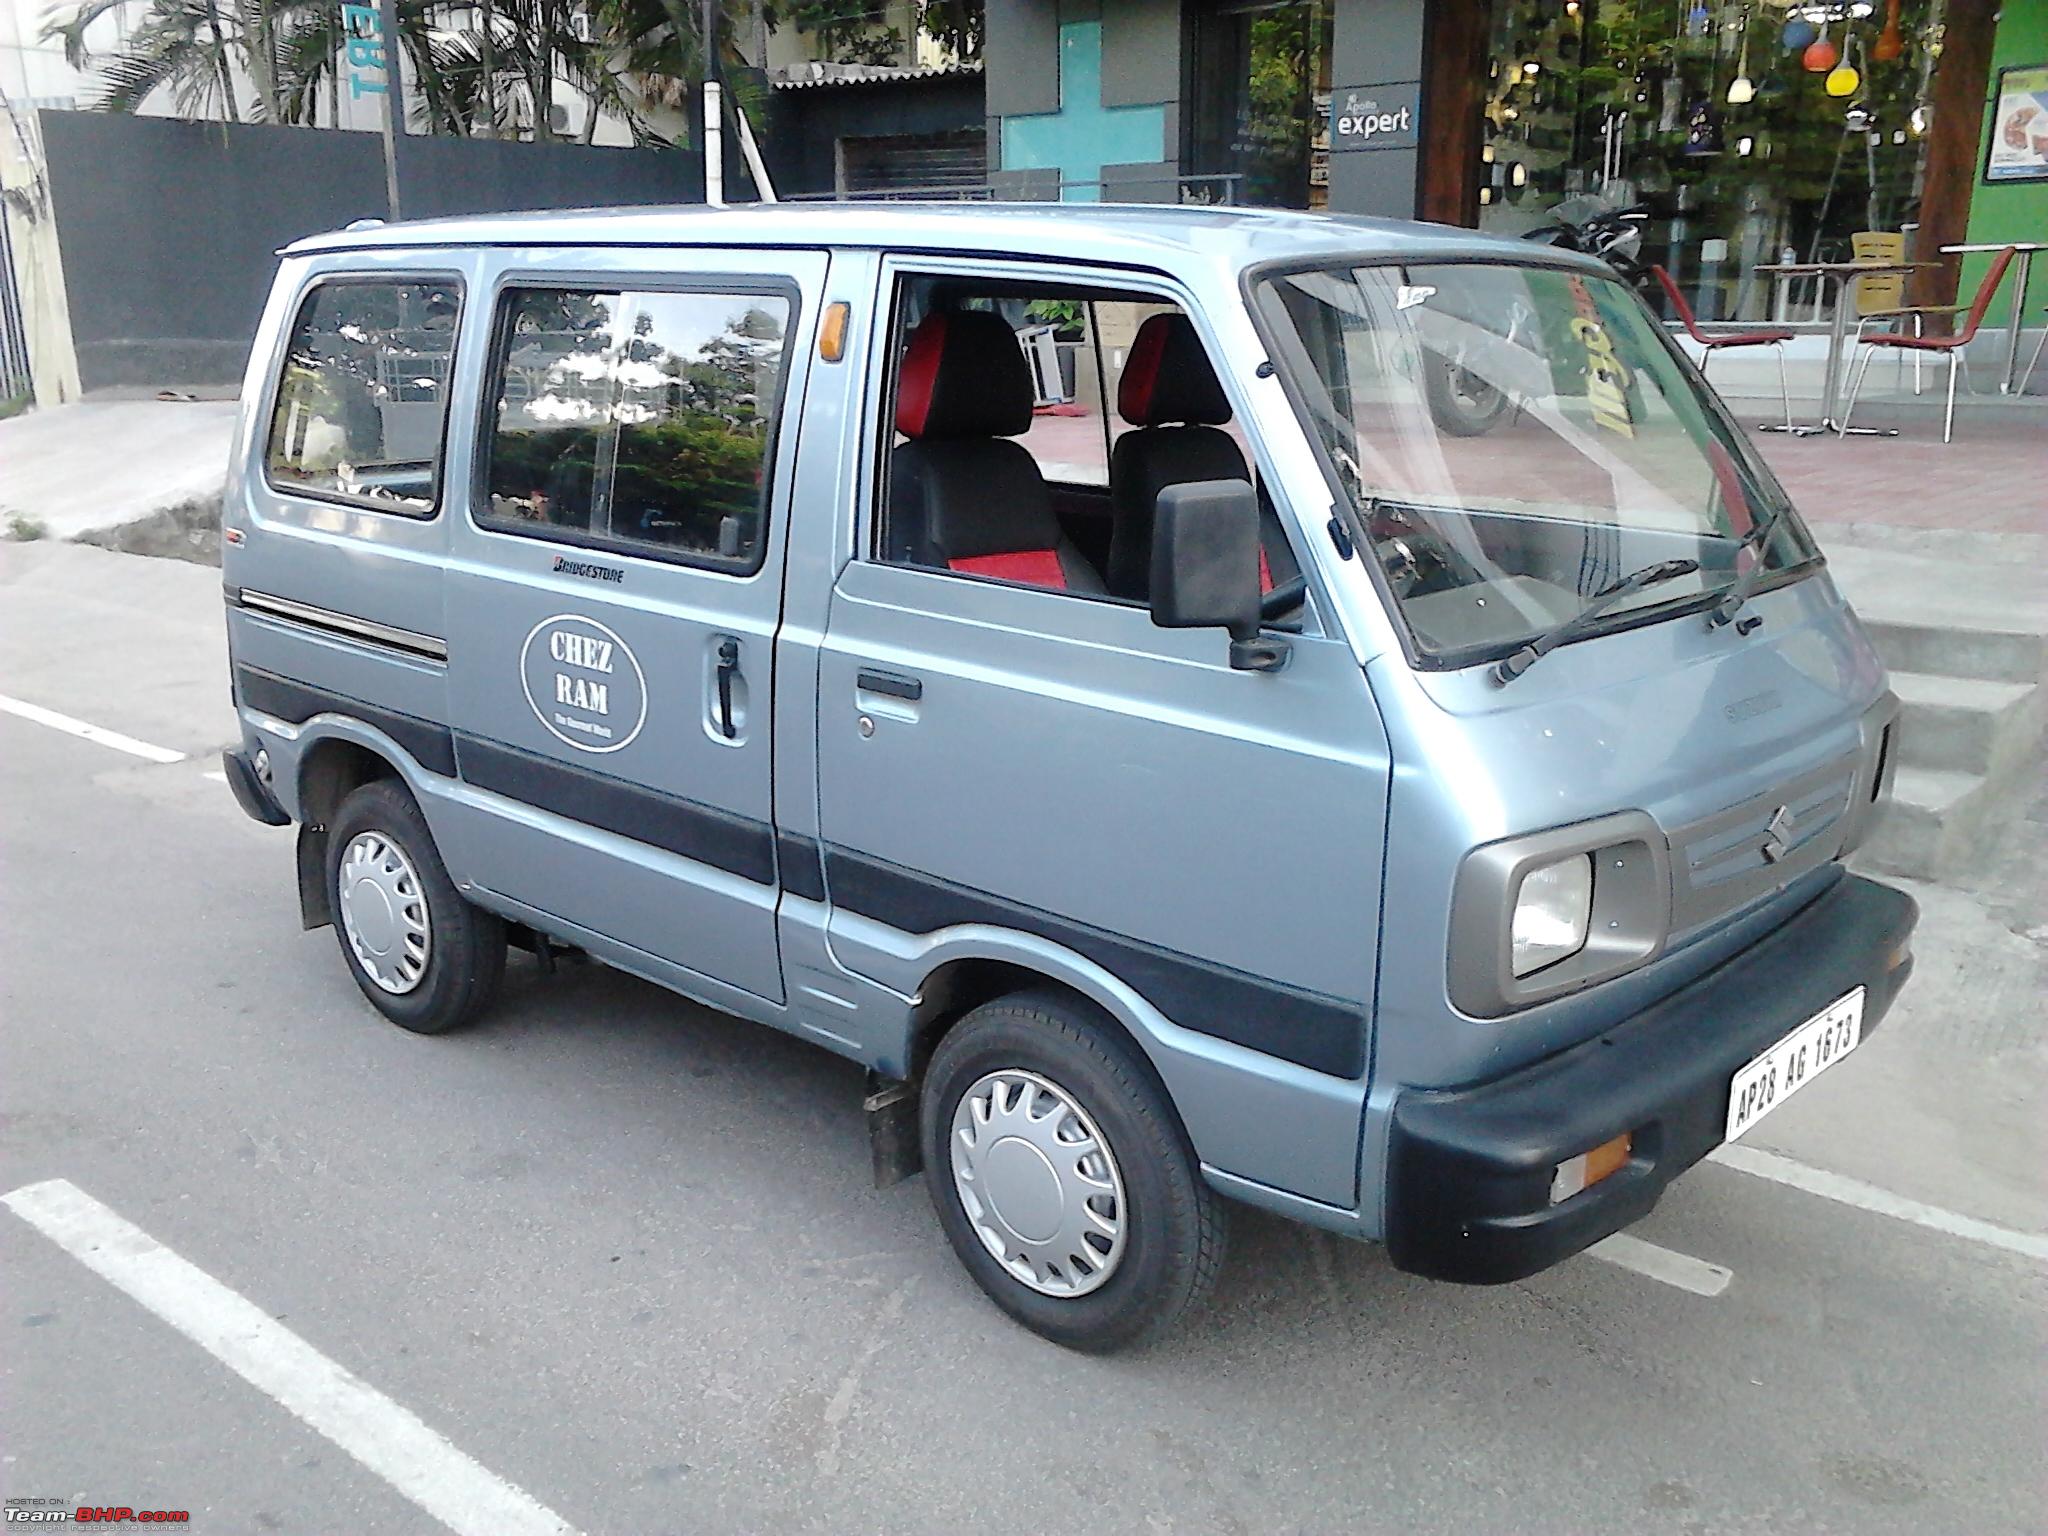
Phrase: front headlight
(1553, 909)
(1544, 914)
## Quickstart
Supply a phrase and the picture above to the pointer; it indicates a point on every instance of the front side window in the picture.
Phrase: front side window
(1517, 440)
(643, 422)
(363, 397)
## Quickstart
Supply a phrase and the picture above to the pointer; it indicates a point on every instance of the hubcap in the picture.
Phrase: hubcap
(384, 912)
(1038, 1182)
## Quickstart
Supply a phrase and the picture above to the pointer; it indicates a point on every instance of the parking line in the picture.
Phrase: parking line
(1844, 1190)
(98, 733)
(388, 1439)
(1679, 1269)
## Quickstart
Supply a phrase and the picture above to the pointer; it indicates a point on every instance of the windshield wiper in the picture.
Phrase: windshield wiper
(1737, 592)
(1508, 668)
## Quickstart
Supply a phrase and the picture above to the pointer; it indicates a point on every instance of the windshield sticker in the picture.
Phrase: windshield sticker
(1607, 377)
(583, 683)
(1408, 297)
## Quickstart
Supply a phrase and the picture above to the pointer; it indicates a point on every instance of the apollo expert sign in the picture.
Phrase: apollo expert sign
(1375, 116)
(583, 683)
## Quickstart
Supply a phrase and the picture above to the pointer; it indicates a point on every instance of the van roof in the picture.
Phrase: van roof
(1131, 233)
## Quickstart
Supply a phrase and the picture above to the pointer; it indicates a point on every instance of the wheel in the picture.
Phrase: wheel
(1062, 1175)
(1462, 403)
(425, 958)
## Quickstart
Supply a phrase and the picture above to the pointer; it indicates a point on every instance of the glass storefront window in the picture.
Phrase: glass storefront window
(1753, 133)
(1260, 103)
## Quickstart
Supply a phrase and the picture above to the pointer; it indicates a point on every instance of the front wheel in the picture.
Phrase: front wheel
(425, 958)
(1062, 1176)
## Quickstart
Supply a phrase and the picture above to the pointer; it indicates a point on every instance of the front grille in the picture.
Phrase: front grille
(1719, 864)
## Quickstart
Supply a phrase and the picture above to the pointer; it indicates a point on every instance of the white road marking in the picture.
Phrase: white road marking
(388, 1439)
(216, 775)
(98, 733)
(1868, 1197)
(1679, 1269)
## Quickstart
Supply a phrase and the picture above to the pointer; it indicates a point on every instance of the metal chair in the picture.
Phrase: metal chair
(2039, 346)
(1952, 345)
(1709, 345)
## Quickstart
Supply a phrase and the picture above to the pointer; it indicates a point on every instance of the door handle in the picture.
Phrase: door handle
(890, 684)
(728, 664)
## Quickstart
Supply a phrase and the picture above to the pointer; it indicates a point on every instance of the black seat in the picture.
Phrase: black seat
(1171, 395)
(962, 495)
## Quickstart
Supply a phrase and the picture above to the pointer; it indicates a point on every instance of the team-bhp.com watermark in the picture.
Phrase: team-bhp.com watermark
(62, 1512)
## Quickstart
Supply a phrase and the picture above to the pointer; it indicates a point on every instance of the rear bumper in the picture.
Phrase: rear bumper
(1470, 1169)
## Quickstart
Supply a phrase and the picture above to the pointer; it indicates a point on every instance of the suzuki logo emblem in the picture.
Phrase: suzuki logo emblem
(1778, 834)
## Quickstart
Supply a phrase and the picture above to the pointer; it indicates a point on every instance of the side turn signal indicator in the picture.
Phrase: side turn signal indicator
(832, 332)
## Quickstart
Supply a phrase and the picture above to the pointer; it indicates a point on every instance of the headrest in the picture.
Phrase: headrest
(963, 376)
(1168, 378)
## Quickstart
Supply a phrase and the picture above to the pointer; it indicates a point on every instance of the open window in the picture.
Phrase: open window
(1033, 425)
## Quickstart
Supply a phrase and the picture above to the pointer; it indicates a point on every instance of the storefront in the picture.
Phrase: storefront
(1752, 133)
(1752, 130)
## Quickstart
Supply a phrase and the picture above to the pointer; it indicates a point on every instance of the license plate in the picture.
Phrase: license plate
(1794, 1062)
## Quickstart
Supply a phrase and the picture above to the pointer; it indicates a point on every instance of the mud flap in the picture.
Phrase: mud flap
(891, 1109)
(312, 857)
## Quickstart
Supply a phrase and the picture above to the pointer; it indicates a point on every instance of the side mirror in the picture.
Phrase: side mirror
(1205, 567)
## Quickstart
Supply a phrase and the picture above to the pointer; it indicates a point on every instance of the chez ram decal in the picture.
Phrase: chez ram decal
(584, 683)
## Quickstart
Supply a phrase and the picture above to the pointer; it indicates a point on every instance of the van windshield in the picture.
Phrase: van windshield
(1517, 440)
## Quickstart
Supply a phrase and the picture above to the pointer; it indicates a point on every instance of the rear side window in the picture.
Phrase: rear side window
(363, 399)
(643, 422)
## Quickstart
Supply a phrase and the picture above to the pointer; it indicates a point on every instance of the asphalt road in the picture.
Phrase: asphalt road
(624, 1253)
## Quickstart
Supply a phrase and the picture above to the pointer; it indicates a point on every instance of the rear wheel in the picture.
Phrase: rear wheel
(1062, 1175)
(425, 958)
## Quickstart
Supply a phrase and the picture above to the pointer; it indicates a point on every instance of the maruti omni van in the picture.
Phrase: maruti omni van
(1077, 664)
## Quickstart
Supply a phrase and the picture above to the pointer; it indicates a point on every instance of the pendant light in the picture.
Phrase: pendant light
(1890, 44)
(1742, 89)
(1820, 56)
(1843, 79)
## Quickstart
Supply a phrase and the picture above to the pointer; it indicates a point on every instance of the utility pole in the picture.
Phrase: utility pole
(394, 100)
(714, 109)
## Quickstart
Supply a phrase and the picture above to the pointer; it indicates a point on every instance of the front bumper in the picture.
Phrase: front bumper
(1469, 1169)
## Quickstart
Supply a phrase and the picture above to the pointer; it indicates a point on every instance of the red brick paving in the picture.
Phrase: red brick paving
(1992, 479)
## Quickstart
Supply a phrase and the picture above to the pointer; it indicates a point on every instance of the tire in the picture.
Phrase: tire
(1459, 402)
(379, 844)
(1086, 1079)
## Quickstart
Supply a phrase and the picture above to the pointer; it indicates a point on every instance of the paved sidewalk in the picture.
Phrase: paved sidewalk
(100, 464)
(1992, 479)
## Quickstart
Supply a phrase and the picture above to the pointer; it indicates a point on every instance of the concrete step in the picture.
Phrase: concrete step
(1947, 617)
(1944, 650)
(1937, 825)
(1968, 724)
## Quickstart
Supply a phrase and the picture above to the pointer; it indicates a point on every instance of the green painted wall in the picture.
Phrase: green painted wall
(2015, 211)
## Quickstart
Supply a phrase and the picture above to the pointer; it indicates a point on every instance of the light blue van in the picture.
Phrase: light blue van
(1204, 705)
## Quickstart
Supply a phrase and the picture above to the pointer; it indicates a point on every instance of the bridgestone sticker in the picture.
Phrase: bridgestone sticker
(583, 683)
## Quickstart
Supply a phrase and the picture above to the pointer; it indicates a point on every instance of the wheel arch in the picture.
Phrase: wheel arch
(974, 973)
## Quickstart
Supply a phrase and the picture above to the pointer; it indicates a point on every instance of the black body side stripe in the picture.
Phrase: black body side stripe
(1325, 1034)
(737, 844)
(802, 865)
(432, 746)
